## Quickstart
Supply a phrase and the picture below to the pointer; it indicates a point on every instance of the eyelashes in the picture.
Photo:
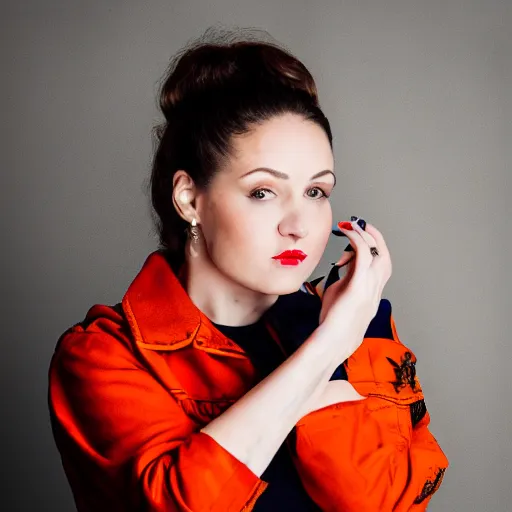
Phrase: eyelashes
(254, 193)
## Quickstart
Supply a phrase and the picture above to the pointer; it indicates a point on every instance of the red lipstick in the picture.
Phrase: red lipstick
(293, 257)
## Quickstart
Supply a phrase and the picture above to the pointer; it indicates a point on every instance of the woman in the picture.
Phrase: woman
(197, 390)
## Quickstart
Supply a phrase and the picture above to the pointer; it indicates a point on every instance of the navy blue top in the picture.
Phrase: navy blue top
(284, 490)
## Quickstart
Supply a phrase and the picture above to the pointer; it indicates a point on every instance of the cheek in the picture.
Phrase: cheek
(229, 225)
(320, 228)
(250, 234)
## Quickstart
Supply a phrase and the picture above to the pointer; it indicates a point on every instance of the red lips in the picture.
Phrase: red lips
(291, 255)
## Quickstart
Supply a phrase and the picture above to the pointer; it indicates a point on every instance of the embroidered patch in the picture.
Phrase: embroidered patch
(405, 372)
(430, 487)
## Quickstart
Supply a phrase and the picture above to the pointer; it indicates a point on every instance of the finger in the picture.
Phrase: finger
(348, 254)
(338, 278)
(350, 267)
(367, 237)
(381, 243)
(360, 246)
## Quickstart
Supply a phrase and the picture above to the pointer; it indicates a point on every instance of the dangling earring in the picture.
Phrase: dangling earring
(193, 231)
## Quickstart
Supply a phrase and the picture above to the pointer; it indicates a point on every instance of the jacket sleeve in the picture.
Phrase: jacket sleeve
(125, 442)
(377, 453)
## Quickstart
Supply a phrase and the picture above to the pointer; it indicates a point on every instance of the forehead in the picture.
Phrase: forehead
(287, 143)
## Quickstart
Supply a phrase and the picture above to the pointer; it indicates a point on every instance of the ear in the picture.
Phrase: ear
(184, 195)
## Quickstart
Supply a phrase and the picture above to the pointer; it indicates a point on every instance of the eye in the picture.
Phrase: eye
(322, 193)
(259, 193)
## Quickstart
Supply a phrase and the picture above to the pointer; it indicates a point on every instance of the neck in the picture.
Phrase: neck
(221, 299)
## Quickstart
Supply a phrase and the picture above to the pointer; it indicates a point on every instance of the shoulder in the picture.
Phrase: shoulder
(102, 336)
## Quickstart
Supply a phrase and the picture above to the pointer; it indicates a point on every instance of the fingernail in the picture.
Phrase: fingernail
(360, 222)
(337, 232)
(349, 248)
(345, 225)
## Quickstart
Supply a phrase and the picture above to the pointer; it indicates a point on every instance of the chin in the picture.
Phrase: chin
(268, 281)
(279, 286)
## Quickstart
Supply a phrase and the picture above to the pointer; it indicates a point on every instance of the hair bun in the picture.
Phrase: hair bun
(205, 67)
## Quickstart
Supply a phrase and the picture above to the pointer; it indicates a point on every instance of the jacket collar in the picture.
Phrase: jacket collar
(161, 315)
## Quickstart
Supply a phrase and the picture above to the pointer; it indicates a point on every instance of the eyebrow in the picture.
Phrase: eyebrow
(284, 176)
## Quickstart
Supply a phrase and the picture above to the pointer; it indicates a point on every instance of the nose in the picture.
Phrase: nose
(293, 226)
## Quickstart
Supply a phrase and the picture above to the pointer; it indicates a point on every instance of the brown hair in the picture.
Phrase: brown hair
(212, 91)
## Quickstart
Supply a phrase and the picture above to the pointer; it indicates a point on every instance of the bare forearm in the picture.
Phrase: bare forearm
(255, 426)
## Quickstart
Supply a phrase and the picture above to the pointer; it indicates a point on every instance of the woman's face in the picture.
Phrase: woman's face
(248, 215)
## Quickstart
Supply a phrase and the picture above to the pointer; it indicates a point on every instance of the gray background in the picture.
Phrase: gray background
(418, 94)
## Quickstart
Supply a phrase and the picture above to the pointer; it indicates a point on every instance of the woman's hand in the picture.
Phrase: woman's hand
(360, 290)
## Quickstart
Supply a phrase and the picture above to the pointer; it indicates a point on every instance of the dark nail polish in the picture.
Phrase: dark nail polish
(361, 222)
(349, 248)
(338, 233)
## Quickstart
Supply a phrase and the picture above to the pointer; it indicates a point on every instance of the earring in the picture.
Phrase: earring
(193, 231)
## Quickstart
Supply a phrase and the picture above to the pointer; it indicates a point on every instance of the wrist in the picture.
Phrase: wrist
(345, 329)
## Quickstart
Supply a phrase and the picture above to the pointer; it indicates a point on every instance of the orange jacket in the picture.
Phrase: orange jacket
(132, 384)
